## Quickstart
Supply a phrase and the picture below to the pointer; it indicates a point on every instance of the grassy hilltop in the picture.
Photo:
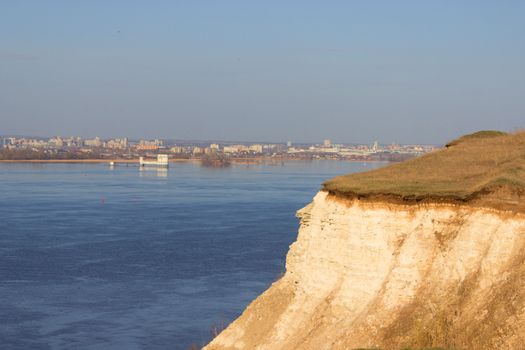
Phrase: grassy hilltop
(485, 168)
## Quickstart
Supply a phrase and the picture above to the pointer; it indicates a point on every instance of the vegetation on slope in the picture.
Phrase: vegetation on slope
(486, 164)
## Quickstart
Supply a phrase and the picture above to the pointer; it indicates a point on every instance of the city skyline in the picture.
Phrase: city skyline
(324, 141)
(77, 148)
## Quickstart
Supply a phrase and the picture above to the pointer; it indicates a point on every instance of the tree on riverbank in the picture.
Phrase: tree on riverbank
(215, 160)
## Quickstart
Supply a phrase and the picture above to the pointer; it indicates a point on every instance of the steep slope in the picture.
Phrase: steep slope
(395, 269)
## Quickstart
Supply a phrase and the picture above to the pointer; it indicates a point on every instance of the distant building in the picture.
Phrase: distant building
(146, 145)
(162, 161)
(96, 142)
(234, 149)
(9, 141)
(394, 147)
(118, 143)
(177, 149)
(256, 148)
(327, 143)
(56, 141)
(155, 142)
(209, 150)
(288, 143)
(214, 146)
(229, 149)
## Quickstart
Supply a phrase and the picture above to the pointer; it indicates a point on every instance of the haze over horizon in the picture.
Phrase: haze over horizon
(404, 71)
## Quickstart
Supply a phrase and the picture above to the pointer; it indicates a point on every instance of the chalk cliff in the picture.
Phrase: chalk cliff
(390, 275)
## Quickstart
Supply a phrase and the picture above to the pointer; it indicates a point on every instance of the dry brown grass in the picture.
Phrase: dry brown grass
(469, 168)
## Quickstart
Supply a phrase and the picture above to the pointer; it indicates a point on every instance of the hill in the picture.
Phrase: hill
(486, 168)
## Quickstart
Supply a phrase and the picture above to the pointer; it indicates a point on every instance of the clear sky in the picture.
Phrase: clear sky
(352, 71)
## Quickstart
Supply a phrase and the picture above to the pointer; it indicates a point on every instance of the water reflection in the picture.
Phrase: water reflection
(153, 171)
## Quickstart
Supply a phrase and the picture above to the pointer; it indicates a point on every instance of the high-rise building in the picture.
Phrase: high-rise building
(96, 142)
(256, 148)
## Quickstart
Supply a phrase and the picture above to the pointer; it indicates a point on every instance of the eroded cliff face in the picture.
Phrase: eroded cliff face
(378, 275)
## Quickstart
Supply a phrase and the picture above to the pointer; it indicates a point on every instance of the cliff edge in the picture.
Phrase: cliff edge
(380, 265)
(484, 169)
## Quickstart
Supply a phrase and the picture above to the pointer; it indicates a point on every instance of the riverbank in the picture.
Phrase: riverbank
(91, 161)
(254, 160)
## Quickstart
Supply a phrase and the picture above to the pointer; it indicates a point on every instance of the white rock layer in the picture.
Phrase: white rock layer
(379, 275)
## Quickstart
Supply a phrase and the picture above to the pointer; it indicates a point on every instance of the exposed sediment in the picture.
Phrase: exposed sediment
(365, 274)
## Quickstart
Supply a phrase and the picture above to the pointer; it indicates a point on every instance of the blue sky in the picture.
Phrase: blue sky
(352, 71)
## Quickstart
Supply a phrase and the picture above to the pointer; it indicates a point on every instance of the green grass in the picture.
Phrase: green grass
(473, 165)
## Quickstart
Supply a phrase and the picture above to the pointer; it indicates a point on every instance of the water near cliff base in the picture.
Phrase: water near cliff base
(100, 258)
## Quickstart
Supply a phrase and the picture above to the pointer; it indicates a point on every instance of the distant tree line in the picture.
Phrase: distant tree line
(29, 154)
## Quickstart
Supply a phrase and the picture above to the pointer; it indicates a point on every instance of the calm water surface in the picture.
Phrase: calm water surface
(100, 258)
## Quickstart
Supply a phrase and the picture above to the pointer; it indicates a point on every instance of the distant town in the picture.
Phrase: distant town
(77, 148)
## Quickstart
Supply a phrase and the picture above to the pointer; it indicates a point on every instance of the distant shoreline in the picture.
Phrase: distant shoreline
(116, 161)
(261, 160)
